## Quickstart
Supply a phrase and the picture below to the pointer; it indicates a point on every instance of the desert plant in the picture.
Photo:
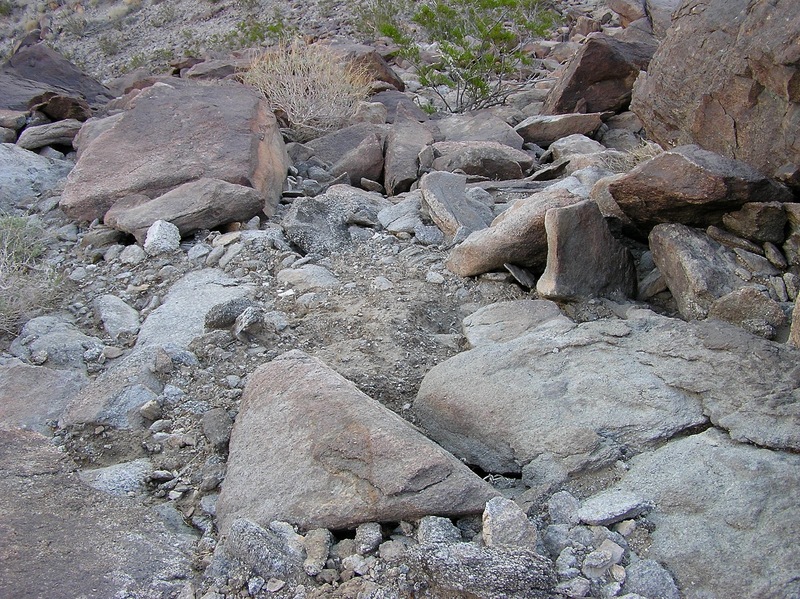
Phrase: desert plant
(310, 89)
(26, 288)
(481, 59)
(6, 8)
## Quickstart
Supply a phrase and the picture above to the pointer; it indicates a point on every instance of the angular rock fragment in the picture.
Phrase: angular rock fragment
(444, 195)
(403, 145)
(545, 129)
(488, 159)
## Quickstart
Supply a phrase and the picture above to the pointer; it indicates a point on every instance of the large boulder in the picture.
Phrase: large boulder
(201, 204)
(517, 236)
(692, 186)
(483, 126)
(545, 129)
(356, 150)
(489, 159)
(600, 77)
(25, 175)
(583, 258)
(309, 448)
(726, 78)
(560, 400)
(716, 500)
(177, 134)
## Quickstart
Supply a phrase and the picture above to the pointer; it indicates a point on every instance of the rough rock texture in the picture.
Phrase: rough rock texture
(600, 76)
(715, 500)
(60, 133)
(660, 13)
(221, 131)
(545, 129)
(24, 175)
(81, 542)
(30, 396)
(444, 194)
(692, 186)
(750, 309)
(403, 145)
(484, 126)
(308, 447)
(516, 236)
(489, 159)
(697, 269)
(201, 204)
(726, 78)
(583, 258)
(587, 404)
(356, 150)
(758, 221)
(504, 321)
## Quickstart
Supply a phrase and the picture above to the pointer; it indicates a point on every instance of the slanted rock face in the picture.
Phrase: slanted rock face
(692, 186)
(444, 194)
(600, 76)
(174, 135)
(726, 78)
(716, 500)
(308, 447)
(24, 174)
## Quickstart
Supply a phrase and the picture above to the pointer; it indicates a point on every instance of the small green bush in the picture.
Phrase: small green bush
(25, 287)
(480, 44)
(309, 88)
(6, 8)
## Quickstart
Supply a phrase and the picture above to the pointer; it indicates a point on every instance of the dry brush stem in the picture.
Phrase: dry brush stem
(308, 87)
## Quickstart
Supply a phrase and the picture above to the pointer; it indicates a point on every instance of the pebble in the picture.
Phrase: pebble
(434, 278)
(612, 506)
(274, 585)
(368, 537)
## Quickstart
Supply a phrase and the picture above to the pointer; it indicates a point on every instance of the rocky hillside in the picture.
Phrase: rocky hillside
(524, 351)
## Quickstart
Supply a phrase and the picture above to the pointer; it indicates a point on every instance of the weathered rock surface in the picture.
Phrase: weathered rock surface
(308, 447)
(715, 500)
(588, 404)
(356, 150)
(758, 221)
(456, 214)
(504, 321)
(55, 342)
(60, 133)
(600, 76)
(489, 159)
(545, 129)
(217, 131)
(403, 145)
(517, 236)
(750, 309)
(483, 126)
(117, 317)
(692, 186)
(583, 258)
(32, 396)
(726, 78)
(201, 204)
(24, 175)
(82, 542)
(697, 269)
(660, 13)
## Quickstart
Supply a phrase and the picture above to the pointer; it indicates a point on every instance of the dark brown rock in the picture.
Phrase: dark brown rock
(692, 186)
(176, 135)
(202, 204)
(356, 150)
(758, 221)
(361, 56)
(59, 107)
(600, 77)
(726, 78)
(517, 236)
(392, 99)
(309, 448)
(583, 258)
(751, 310)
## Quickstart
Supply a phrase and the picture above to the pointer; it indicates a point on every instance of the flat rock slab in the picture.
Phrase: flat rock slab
(504, 321)
(481, 127)
(62, 538)
(24, 175)
(60, 133)
(583, 396)
(692, 186)
(309, 448)
(177, 134)
(444, 194)
(517, 236)
(716, 500)
(489, 159)
(545, 129)
(30, 396)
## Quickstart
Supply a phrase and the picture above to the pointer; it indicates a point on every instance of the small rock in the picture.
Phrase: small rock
(433, 529)
(274, 585)
(317, 544)
(650, 579)
(162, 237)
(217, 426)
(612, 506)
(577, 587)
(368, 537)
(151, 410)
(563, 508)
(506, 525)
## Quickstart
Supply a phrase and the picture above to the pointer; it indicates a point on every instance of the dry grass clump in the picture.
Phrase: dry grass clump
(310, 89)
(623, 162)
(26, 288)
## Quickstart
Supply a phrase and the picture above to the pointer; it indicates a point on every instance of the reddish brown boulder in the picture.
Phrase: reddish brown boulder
(600, 76)
(727, 78)
(174, 135)
(692, 186)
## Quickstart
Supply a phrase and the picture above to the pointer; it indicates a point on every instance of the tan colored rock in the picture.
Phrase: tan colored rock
(60, 133)
(174, 135)
(750, 309)
(691, 186)
(309, 448)
(545, 129)
(516, 236)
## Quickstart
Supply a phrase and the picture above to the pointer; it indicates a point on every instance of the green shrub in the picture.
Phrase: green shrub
(6, 8)
(26, 288)
(481, 60)
(308, 87)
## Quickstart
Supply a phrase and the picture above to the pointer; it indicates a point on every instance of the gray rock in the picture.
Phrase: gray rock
(545, 129)
(583, 258)
(217, 426)
(660, 12)
(444, 196)
(489, 159)
(303, 432)
(574, 144)
(308, 277)
(356, 150)
(576, 587)
(482, 126)
(162, 238)
(181, 317)
(707, 487)
(57, 341)
(60, 133)
(506, 525)
(611, 507)
(368, 537)
(433, 530)
(650, 579)
(395, 218)
(517, 236)
(405, 141)
(25, 175)
(119, 479)
(563, 508)
(504, 321)
(32, 396)
(317, 544)
(465, 569)
(118, 318)
(224, 315)
(697, 269)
